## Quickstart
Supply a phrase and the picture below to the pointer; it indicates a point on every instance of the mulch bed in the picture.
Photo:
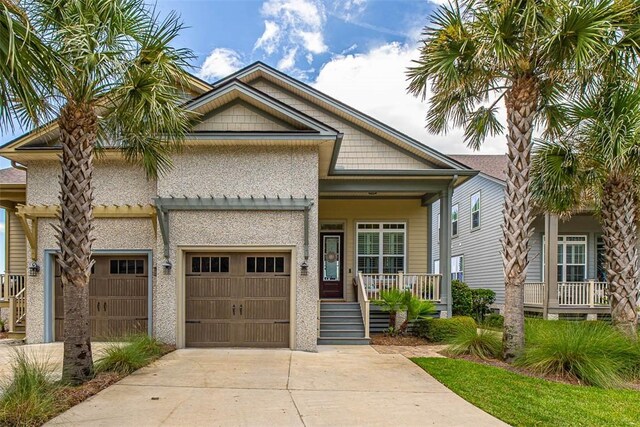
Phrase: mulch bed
(405, 340)
(71, 396)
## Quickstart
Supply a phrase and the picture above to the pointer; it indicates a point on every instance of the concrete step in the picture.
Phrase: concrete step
(341, 326)
(16, 335)
(343, 341)
(341, 334)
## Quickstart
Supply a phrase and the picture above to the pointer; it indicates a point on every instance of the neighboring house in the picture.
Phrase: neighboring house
(576, 274)
(284, 208)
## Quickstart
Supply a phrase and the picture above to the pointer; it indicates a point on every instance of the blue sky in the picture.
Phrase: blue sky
(354, 50)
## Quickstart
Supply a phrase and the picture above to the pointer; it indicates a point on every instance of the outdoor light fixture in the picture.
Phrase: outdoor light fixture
(34, 269)
(304, 268)
(166, 266)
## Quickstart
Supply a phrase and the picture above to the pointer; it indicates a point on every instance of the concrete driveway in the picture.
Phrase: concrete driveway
(236, 387)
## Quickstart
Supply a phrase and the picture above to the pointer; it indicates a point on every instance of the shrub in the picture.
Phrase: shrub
(440, 330)
(417, 310)
(393, 301)
(461, 301)
(481, 343)
(29, 398)
(136, 352)
(494, 320)
(592, 352)
(481, 299)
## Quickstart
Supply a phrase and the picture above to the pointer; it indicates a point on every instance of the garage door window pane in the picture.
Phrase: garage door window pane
(131, 266)
(205, 265)
(139, 267)
(224, 264)
(280, 264)
(251, 264)
(113, 266)
(122, 266)
(195, 264)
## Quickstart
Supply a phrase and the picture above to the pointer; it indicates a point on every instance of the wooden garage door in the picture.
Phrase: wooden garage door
(237, 300)
(118, 303)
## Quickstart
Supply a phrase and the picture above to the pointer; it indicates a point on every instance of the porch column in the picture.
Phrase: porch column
(445, 247)
(550, 274)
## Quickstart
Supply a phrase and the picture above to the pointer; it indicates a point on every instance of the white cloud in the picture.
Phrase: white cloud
(220, 63)
(293, 24)
(269, 39)
(289, 60)
(375, 83)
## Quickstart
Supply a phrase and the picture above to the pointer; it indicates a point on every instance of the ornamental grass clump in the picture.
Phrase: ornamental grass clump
(30, 397)
(481, 343)
(593, 353)
(125, 358)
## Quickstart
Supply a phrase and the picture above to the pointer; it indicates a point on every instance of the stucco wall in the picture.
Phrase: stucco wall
(242, 171)
(115, 182)
(109, 233)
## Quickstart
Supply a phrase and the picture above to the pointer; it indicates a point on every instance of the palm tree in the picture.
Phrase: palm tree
(119, 89)
(527, 53)
(393, 301)
(27, 66)
(417, 310)
(597, 163)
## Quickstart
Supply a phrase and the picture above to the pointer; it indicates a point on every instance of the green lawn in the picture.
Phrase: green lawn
(524, 401)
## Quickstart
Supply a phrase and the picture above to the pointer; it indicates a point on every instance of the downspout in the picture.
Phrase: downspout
(450, 203)
(15, 165)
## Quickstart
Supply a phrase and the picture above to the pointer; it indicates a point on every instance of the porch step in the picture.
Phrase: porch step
(343, 341)
(341, 324)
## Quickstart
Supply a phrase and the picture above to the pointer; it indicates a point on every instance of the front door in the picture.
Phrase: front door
(331, 277)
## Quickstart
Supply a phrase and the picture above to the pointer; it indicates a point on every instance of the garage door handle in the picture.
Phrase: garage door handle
(98, 306)
(233, 309)
(281, 321)
(240, 309)
(104, 307)
(189, 321)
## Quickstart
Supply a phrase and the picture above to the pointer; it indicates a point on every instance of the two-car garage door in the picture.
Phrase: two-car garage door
(237, 299)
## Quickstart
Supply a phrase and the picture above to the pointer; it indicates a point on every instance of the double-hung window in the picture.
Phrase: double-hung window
(457, 267)
(381, 247)
(454, 220)
(475, 210)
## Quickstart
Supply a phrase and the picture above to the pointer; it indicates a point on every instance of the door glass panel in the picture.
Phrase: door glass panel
(331, 258)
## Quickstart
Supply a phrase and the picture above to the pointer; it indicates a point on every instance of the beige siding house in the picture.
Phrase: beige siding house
(286, 213)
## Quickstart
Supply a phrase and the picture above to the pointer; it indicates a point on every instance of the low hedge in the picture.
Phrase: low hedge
(441, 330)
(494, 320)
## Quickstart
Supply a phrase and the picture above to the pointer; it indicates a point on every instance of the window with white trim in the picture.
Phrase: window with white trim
(475, 210)
(381, 247)
(572, 258)
(454, 220)
(457, 268)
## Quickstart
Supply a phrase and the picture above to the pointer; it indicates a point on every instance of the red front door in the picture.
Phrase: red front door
(331, 271)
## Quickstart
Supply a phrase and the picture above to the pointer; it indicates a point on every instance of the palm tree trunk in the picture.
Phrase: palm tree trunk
(521, 102)
(621, 252)
(78, 126)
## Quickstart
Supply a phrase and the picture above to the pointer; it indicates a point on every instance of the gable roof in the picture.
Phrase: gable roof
(492, 165)
(235, 89)
(262, 70)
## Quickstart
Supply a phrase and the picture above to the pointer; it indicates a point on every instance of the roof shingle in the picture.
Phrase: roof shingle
(489, 164)
(13, 176)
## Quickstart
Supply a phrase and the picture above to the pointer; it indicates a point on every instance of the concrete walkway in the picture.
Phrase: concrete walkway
(337, 386)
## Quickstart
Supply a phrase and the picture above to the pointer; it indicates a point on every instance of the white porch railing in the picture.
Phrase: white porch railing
(574, 294)
(422, 286)
(17, 310)
(363, 299)
(534, 293)
(11, 285)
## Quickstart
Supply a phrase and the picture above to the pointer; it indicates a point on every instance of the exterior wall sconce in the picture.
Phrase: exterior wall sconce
(33, 269)
(304, 268)
(166, 266)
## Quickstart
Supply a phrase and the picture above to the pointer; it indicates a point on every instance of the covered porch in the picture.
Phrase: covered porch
(374, 236)
(566, 278)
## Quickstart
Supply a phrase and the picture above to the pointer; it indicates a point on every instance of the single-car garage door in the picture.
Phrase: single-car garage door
(118, 297)
(237, 299)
